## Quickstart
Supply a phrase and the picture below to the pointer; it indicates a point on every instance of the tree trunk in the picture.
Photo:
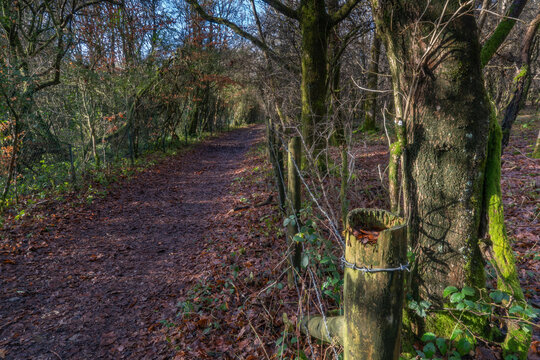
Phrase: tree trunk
(314, 31)
(195, 113)
(93, 140)
(503, 260)
(370, 106)
(446, 118)
(339, 135)
(276, 159)
(516, 341)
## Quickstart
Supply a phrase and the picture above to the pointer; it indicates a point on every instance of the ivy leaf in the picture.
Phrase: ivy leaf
(463, 346)
(326, 260)
(511, 357)
(531, 312)
(468, 291)
(470, 304)
(429, 336)
(457, 297)
(516, 309)
(449, 290)
(429, 350)
(498, 296)
(441, 344)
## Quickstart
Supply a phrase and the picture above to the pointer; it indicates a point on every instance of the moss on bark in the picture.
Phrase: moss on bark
(393, 179)
(516, 341)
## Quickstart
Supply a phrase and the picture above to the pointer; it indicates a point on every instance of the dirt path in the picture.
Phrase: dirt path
(111, 271)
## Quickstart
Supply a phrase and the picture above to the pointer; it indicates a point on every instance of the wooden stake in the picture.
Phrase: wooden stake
(373, 302)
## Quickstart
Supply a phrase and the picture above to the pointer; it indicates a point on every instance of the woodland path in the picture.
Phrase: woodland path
(110, 271)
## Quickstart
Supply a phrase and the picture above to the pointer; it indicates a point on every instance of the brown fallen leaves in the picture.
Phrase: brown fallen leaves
(366, 237)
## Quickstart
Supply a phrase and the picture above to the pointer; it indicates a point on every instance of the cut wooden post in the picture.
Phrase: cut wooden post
(330, 332)
(295, 196)
(373, 301)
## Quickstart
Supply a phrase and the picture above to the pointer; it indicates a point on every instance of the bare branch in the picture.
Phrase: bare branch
(343, 12)
(238, 30)
(285, 10)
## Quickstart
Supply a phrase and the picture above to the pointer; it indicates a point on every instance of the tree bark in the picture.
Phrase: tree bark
(314, 26)
(445, 121)
(370, 107)
(276, 158)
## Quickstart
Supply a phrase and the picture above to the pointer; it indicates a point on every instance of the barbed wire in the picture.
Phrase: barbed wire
(364, 269)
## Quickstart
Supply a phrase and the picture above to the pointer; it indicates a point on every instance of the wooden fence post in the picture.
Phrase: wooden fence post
(375, 263)
(373, 301)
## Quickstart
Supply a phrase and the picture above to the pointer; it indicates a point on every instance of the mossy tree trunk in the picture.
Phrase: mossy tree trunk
(336, 114)
(502, 30)
(314, 25)
(517, 341)
(370, 105)
(445, 122)
(503, 259)
(393, 177)
(194, 115)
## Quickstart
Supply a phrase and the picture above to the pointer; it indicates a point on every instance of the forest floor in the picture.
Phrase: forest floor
(164, 267)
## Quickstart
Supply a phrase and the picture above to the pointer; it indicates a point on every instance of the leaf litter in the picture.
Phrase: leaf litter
(223, 293)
